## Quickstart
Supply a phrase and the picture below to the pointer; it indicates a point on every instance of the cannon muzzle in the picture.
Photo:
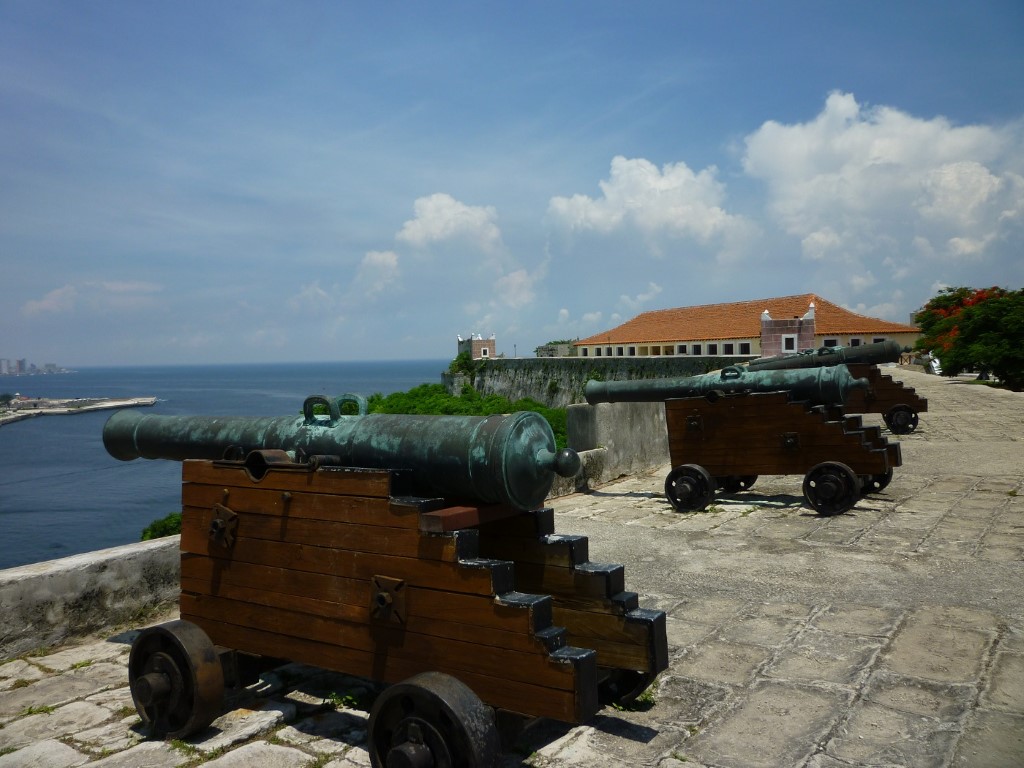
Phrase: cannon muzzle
(499, 459)
(888, 351)
(820, 386)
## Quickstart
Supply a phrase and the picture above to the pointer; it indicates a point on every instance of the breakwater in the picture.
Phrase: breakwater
(30, 408)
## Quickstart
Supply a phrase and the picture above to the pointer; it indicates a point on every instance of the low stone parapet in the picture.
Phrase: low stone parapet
(44, 604)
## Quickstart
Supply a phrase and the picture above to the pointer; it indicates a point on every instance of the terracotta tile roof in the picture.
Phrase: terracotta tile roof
(741, 320)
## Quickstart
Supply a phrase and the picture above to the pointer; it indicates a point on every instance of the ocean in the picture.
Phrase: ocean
(61, 493)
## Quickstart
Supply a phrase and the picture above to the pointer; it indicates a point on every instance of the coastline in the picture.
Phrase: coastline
(62, 407)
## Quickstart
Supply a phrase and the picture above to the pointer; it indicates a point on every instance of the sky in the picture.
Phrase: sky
(195, 182)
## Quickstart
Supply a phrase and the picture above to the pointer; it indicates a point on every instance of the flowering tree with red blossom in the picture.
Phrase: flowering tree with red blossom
(978, 329)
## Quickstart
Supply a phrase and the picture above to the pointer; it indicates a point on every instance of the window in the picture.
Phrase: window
(854, 342)
(484, 351)
(728, 349)
(830, 343)
(695, 349)
(597, 352)
(618, 351)
(668, 349)
(878, 339)
(681, 349)
(586, 352)
(744, 347)
(789, 342)
(712, 349)
(608, 351)
(632, 351)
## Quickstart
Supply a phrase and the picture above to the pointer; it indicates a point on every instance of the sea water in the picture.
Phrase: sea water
(61, 493)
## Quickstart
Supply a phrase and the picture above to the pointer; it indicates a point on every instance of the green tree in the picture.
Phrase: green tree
(976, 329)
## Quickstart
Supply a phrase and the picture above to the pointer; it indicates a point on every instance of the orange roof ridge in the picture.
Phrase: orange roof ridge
(740, 320)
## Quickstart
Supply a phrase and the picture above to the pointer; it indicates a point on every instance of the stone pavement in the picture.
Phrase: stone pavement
(892, 635)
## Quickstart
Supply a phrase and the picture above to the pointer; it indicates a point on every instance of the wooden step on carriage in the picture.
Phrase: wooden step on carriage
(898, 403)
(467, 610)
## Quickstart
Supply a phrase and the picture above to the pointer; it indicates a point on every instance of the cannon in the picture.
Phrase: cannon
(818, 386)
(887, 351)
(410, 557)
(503, 458)
(726, 429)
(898, 404)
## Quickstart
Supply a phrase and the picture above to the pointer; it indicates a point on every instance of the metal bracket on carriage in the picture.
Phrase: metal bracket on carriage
(223, 526)
(790, 440)
(694, 423)
(387, 602)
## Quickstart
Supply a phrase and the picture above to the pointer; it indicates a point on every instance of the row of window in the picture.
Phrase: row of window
(712, 349)
(742, 348)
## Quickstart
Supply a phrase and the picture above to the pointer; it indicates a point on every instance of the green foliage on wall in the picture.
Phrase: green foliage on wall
(167, 526)
(434, 399)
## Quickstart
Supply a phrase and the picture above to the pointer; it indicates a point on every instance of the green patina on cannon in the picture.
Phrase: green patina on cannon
(819, 386)
(888, 351)
(727, 428)
(501, 459)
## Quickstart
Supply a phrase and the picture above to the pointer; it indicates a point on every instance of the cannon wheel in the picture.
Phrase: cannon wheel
(432, 720)
(875, 483)
(689, 488)
(831, 488)
(176, 679)
(901, 419)
(734, 483)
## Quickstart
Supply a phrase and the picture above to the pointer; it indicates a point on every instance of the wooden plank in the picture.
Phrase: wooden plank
(434, 652)
(454, 518)
(537, 522)
(401, 542)
(344, 481)
(361, 510)
(473, 576)
(530, 699)
(553, 550)
(589, 580)
(515, 636)
(332, 595)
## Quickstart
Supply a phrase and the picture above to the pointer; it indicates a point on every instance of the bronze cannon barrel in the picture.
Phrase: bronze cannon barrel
(820, 386)
(888, 351)
(500, 459)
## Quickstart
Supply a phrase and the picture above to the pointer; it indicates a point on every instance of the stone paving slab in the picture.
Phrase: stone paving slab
(892, 635)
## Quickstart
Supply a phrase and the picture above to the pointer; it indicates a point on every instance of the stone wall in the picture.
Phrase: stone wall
(559, 382)
(44, 604)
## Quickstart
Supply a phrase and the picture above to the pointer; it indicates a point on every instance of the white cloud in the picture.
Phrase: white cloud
(635, 303)
(440, 218)
(378, 271)
(94, 296)
(674, 201)
(515, 289)
(313, 299)
(864, 183)
(57, 301)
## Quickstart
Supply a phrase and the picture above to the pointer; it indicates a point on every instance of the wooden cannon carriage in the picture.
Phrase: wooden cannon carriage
(468, 609)
(727, 428)
(727, 441)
